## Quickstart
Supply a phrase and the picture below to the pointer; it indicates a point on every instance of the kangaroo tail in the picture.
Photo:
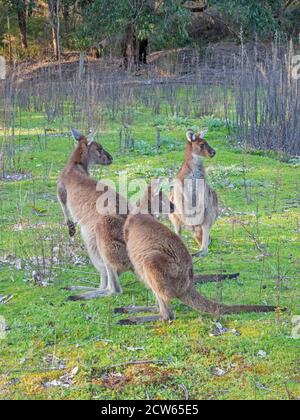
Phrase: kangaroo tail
(196, 301)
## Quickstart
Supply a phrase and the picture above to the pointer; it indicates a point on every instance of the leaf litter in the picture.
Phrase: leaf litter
(219, 330)
(65, 381)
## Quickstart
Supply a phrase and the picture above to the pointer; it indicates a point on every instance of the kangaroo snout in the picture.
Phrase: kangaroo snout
(108, 160)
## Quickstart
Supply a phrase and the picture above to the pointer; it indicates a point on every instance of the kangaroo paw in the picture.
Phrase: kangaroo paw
(78, 288)
(200, 254)
(72, 229)
(136, 309)
(91, 295)
(140, 320)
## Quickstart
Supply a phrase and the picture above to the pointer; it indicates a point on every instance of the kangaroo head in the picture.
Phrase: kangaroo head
(96, 154)
(200, 147)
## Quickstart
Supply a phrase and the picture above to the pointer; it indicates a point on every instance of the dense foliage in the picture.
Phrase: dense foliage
(36, 27)
(165, 22)
(261, 17)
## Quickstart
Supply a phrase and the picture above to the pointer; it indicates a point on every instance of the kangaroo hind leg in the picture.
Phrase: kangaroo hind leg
(204, 236)
(98, 263)
(165, 314)
(176, 222)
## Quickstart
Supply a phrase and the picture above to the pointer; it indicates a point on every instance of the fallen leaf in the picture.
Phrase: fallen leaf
(262, 387)
(219, 372)
(135, 348)
(65, 381)
(220, 330)
(5, 299)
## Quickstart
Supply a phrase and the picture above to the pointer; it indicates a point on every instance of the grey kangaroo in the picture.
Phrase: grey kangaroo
(203, 201)
(78, 194)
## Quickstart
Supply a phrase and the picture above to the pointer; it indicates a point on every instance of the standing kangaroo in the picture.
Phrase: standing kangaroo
(78, 194)
(196, 207)
(163, 262)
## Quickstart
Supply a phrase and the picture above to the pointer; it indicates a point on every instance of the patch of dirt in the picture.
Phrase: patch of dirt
(115, 381)
(134, 375)
(147, 375)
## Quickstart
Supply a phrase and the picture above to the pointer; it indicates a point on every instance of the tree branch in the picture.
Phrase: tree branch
(217, 18)
(287, 5)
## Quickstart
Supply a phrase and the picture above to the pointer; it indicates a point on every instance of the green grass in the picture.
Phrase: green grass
(258, 235)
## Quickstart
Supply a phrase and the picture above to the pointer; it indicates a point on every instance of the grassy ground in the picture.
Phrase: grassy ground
(48, 337)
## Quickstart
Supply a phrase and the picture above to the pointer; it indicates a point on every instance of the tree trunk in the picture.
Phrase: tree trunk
(58, 51)
(53, 6)
(66, 13)
(9, 40)
(55, 43)
(133, 48)
(22, 25)
(128, 45)
(143, 51)
(30, 9)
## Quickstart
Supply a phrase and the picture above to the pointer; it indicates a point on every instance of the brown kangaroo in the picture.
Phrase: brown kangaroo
(78, 194)
(164, 264)
(102, 234)
(197, 207)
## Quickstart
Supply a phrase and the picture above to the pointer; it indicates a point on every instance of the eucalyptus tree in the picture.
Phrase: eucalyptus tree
(260, 17)
(20, 8)
(164, 22)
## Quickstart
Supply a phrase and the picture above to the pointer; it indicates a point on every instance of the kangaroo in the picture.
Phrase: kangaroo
(163, 263)
(102, 234)
(196, 207)
(78, 194)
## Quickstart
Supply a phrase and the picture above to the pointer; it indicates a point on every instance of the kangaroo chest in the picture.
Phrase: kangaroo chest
(195, 169)
(195, 173)
(189, 193)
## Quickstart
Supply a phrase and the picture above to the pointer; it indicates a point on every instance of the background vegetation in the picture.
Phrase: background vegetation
(45, 29)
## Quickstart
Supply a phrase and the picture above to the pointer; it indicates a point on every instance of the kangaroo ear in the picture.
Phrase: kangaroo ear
(91, 137)
(203, 133)
(191, 136)
(75, 133)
